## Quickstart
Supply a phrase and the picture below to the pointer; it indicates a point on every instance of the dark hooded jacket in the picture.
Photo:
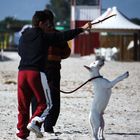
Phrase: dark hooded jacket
(34, 43)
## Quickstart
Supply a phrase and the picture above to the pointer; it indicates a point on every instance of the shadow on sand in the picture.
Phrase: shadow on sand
(4, 58)
(56, 139)
(126, 134)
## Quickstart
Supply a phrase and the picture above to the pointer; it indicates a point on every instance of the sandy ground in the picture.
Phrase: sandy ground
(122, 115)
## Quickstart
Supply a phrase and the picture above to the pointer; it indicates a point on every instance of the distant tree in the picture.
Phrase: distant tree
(61, 9)
(136, 20)
(10, 24)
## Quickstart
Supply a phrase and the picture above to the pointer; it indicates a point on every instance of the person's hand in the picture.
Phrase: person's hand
(87, 26)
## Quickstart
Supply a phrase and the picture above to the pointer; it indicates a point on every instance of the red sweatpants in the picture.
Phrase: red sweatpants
(31, 83)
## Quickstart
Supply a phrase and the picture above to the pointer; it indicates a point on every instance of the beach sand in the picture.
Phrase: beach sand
(122, 115)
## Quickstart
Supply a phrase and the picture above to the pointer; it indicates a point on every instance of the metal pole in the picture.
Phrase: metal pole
(135, 46)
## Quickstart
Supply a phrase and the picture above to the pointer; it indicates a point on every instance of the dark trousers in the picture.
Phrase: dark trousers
(53, 76)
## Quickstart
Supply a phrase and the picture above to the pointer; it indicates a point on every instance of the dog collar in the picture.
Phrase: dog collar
(95, 78)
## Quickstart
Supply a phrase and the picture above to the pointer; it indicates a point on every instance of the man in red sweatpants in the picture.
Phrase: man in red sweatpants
(32, 81)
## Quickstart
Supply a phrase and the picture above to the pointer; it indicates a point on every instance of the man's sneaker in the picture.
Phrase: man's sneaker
(35, 129)
(22, 139)
(49, 130)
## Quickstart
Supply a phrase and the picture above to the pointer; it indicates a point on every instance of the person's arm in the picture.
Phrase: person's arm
(66, 35)
(62, 36)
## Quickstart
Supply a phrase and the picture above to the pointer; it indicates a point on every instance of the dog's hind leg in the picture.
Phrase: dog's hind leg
(95, 120)
(102, 128)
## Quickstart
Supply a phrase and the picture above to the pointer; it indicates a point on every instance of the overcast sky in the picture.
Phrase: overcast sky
(24, 9)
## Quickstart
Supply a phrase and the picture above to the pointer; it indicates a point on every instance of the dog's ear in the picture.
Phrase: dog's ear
(88, 68)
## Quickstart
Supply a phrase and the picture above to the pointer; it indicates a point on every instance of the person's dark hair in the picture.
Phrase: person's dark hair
(37, 17)
(50, 16)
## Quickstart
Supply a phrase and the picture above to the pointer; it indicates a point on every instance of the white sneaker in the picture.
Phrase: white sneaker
(21, 139)
(35, 129)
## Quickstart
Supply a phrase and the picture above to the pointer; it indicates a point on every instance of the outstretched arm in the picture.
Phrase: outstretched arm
(66, 35)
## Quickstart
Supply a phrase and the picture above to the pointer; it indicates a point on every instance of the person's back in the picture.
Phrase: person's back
(34, 56)
(56, 53)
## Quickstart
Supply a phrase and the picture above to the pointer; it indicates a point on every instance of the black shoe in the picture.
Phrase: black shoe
(49, 130)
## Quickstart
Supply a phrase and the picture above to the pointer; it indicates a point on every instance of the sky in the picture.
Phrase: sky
(130, 8)
(24, 9)
(20, 9)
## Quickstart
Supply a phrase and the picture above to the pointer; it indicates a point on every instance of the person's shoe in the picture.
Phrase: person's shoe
(35, 129)
(49, 130)
(22, 139)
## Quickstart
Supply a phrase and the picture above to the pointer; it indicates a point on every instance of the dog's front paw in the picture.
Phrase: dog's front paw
(126, 74)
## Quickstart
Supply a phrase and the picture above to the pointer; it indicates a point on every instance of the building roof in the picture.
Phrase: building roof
(119, 23)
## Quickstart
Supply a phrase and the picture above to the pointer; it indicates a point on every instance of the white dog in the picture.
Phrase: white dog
(102, 95)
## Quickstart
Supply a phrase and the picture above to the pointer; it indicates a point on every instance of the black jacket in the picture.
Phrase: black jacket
(34, 43)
